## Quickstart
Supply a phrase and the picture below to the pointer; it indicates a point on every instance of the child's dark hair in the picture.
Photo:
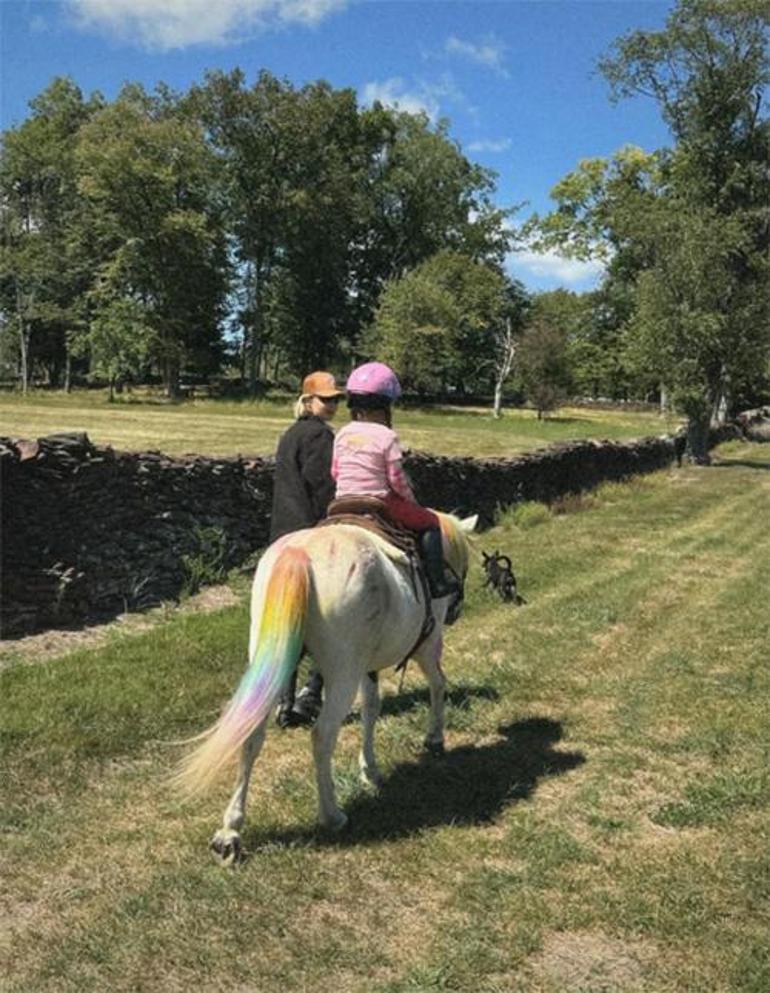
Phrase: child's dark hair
(359, 403)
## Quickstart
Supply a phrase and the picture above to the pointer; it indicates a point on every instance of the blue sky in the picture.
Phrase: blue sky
(516, 78)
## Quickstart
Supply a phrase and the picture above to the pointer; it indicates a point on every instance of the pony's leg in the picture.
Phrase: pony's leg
(370, 711)
(227, 841)
(339, 696)
(428, 657)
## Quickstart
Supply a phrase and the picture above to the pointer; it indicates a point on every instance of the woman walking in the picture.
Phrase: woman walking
(302, 490)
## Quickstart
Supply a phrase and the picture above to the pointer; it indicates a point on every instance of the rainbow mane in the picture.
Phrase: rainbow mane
(455, 543)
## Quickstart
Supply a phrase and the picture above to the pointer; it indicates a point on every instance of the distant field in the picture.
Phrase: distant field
(599, 824)
(213, 427)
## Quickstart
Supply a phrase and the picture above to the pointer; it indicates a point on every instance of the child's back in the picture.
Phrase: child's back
(363, 453)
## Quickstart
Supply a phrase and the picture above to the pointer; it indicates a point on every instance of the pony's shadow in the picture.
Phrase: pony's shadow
(458, 697)
(467, 785)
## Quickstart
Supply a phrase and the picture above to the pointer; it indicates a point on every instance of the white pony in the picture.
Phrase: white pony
(350, 599)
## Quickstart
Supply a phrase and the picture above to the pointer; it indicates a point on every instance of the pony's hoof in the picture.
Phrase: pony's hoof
(226, 845)
(336, 823)
(435, 748)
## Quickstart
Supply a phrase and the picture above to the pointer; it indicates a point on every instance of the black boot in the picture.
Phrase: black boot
(284, 718)
(440, 583)
(308, 701)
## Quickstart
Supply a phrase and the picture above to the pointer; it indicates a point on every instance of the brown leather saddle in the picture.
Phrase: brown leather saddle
(371, 514)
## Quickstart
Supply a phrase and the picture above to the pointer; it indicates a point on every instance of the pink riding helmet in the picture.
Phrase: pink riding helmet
(374, 378)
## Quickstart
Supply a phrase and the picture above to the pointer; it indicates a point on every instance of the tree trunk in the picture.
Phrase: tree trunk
(68, 373)
(171, 377)
(663, 400)
(24, 336)
(498, 399)
(721, 403)
(255, 329)
(23, 366)
(719, 413)
(696, 450)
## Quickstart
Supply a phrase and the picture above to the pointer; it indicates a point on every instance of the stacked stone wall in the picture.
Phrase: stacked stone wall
(90, 532)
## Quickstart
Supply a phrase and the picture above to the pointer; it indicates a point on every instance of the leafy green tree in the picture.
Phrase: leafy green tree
(327, 202)
(119, 341)
(594, 343)
(147, 173)
(688, 229)
(437, 323)
(542, 361)
(46, 252)
(421, 196)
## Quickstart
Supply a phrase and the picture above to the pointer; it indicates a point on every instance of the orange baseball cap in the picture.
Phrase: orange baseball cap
(321, 384)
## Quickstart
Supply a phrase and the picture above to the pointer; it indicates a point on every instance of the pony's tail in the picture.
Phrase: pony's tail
(277, 632)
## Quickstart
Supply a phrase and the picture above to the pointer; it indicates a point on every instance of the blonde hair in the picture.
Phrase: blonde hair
(301, 405)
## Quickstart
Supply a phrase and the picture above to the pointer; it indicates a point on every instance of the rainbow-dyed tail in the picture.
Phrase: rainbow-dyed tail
(279, 607)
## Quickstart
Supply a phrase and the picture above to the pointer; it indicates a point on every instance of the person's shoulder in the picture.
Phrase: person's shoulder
(314, 426)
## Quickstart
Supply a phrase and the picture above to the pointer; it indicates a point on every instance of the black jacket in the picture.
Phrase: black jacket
(303, 483)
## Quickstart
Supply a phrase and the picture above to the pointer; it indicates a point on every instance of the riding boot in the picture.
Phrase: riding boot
(440, 583)
(285, 718)
(308, 702)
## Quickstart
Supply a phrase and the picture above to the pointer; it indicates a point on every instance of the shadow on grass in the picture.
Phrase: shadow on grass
(468, 785)
(743, 463)
(459, 697)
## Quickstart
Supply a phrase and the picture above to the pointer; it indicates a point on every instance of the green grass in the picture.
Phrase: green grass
(214, 427)
(599, 823)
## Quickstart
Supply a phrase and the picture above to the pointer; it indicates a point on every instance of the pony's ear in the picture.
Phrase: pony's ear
(468, 524)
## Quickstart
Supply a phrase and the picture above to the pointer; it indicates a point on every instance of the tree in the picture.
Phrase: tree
(690, 226)
(147, 174)
(328, 202)
(506, 334)
(119, 341)
(438, 324)
(46, 254)
(542, 363)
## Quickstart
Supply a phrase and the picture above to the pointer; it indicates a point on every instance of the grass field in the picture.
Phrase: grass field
(214, 427)
(599, 824)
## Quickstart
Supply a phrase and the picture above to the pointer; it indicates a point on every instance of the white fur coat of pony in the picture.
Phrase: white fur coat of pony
(348, 598)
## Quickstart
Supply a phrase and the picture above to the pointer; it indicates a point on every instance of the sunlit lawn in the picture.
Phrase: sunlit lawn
(600, 823)
(213, 427)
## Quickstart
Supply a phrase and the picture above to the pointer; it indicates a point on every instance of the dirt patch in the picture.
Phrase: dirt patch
(592, 961)
(52, 644)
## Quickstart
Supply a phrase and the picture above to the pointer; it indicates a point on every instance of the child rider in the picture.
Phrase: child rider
(367, 461)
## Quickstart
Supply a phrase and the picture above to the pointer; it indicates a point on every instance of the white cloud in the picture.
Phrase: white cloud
(420, 95)
(168, 24)
(490, 146)
(552, 266)
(393, 93)
(489, 53)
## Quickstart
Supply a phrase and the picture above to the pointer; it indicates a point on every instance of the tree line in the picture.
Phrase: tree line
(273, 229)
(154, 230)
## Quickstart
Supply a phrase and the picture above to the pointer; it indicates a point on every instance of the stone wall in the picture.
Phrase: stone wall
(89, 532)
(755, 424)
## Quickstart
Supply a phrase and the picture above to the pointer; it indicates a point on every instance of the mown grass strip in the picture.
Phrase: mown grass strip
(225, 427)
(600, 821)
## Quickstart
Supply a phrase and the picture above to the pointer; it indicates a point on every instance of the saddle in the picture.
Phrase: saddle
(371, 514)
